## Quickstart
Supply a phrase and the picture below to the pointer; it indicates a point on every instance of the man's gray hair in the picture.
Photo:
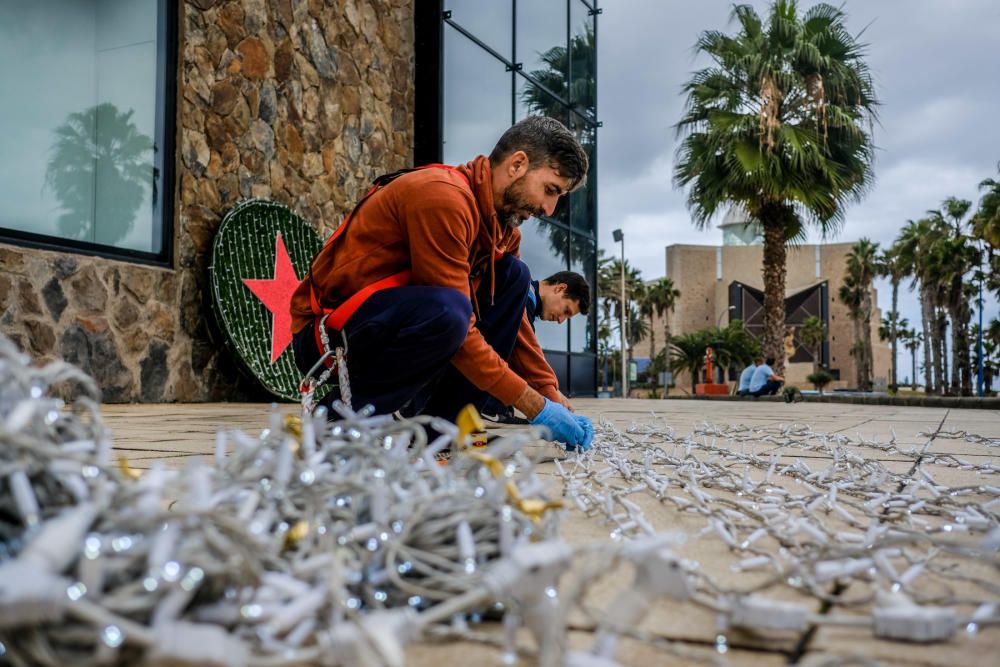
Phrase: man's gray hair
(546, 141)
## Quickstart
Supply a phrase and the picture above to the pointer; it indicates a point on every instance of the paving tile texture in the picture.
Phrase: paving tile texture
(898, 438)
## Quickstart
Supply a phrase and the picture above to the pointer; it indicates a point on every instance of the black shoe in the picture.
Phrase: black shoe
(506, 416)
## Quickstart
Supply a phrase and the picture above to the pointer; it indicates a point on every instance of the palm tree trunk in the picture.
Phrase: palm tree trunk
(926, 323)
(774, 295)
(894, 331)
(867, 340)
(942, 341)
(913, 360)
(652, 344)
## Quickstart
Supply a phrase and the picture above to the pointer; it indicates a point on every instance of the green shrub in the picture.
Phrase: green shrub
(820, 379)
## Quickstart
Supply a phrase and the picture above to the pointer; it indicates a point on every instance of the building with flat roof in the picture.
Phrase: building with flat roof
(722, 283)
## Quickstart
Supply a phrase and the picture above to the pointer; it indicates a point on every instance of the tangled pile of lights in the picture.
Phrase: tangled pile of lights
(337, 542)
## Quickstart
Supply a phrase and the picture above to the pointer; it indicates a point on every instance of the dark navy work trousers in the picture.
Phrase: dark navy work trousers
(401, 340)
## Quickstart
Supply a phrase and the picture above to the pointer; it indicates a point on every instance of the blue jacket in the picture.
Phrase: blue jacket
(760, 375)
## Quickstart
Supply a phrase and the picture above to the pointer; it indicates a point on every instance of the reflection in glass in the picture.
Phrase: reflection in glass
(584, 261)
(477, 104)
(541, 25)
(583, 61)
(537, 253)
(491, 22)
(99, 168)
(78, 119)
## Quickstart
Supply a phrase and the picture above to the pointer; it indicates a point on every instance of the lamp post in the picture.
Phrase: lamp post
(620, 238)
(718, 322)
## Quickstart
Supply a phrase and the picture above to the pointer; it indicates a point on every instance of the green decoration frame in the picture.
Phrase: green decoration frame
(245, 248)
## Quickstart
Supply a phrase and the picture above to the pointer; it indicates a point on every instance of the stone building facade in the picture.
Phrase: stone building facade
(298, 101)
(704, 275)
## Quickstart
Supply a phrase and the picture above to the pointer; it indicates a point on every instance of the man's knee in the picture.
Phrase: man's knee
(517, 274)
(455, 311)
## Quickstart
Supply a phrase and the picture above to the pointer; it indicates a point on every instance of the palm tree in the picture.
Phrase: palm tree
(687, 353)
(813, 335)
(856, 294)
(955, 256)
(917, 247)
(986, 222)
(890, 265)
(913, 339)
(657, 299)
(100, 147)
(890, 329)
(734, 346)
(780, 125)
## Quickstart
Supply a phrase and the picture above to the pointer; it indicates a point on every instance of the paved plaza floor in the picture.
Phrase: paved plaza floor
(173, 433)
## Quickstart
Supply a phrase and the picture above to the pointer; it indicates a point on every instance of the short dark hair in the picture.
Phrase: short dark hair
(769, 361)
(577, 287)
(545, 141)
(757, 361)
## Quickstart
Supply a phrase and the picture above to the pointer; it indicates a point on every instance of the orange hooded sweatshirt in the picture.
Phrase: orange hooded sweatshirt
(433, 224)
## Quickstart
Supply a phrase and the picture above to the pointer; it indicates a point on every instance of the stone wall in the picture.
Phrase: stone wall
(302, 102)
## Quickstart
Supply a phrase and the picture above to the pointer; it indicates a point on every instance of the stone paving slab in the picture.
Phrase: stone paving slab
(172, 434)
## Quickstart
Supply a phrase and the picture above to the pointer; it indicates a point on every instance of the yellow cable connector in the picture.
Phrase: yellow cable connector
(469, 424)
(127, 470)
(296, 534)
(533, 508)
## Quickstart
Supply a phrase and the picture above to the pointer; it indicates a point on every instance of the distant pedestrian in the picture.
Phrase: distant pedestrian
(747, 375)
(764, 382)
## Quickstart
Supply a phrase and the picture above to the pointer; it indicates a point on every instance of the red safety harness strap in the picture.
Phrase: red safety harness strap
(336, 318)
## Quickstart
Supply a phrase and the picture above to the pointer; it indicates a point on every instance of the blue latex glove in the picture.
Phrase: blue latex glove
(563, 425)
(588, 430)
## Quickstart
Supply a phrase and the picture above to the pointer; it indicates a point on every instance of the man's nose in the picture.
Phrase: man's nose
(550, 205)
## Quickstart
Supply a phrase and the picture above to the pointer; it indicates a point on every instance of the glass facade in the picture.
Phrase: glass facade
(481, 66)
(84, 125)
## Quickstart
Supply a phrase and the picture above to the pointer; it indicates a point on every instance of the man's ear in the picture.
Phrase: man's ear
(559, 288)
(517, 164)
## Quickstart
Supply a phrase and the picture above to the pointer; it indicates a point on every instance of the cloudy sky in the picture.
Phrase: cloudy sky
(936, 65)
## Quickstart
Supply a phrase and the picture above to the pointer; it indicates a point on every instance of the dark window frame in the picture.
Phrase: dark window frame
(430, 18)
(164, 162)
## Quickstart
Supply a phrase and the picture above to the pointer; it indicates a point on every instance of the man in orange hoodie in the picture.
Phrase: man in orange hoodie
(424, 283)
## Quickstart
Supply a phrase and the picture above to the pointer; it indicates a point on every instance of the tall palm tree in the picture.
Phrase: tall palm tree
(917, 247)
(657, 299)
(891, 265)
(956, 256)
(913, 340)
(890, 329)
(813, 335)
(780, 124)
(856, 294)
(986, 223)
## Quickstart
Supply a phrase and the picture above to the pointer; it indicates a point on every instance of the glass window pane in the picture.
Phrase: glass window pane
(583, 375)
(583, 202)
(541, 42)
(79, 126)
(477, 105)
(583, 252)
(583, 59)
(544, 249)
(491, 22)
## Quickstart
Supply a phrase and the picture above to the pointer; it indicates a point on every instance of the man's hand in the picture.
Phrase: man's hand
(563, 401)
(571, 430)
(530, 403)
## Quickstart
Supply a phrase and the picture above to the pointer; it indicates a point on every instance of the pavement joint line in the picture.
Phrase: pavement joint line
(836, 588)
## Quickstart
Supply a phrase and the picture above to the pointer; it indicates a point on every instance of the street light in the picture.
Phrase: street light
(620, 238)
(718, 322)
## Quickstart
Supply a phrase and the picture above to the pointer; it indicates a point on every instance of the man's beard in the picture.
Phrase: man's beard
(513, 202)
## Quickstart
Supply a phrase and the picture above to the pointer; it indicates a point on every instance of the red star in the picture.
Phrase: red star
(276, 294)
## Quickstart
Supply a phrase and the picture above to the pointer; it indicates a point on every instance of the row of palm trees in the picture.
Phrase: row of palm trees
(644, 303)
(953, 259)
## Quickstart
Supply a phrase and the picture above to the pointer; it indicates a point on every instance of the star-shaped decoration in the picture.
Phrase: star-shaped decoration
(276, 295)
